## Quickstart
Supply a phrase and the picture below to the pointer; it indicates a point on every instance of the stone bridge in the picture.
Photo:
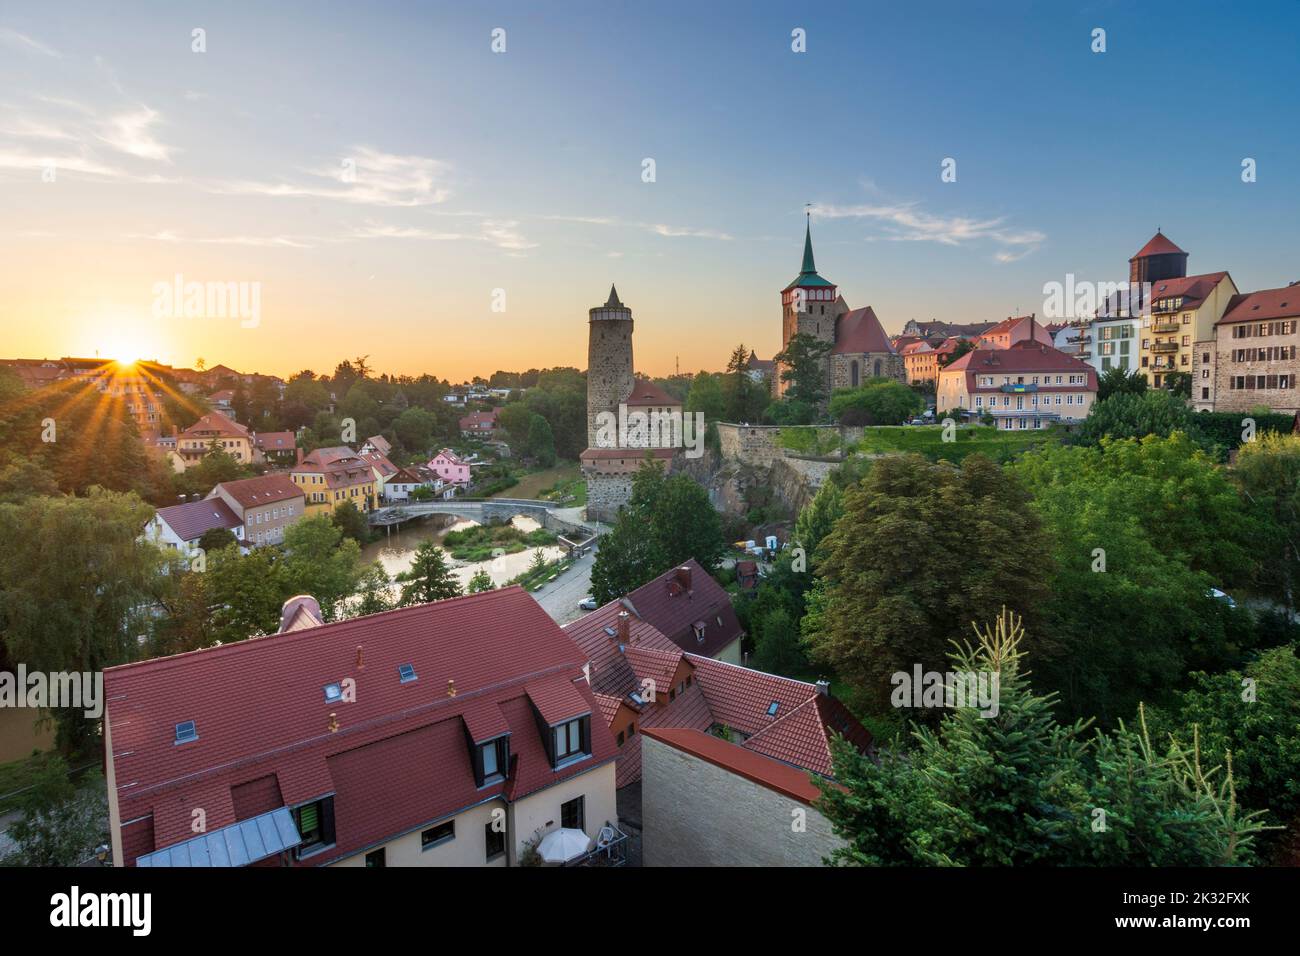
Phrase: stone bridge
(482, 510)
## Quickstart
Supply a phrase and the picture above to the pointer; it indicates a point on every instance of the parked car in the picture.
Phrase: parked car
(587, 604)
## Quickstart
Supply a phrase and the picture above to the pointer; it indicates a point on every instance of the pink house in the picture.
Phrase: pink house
(449, 468)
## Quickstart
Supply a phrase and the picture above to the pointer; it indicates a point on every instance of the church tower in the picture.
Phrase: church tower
(609, 360)
(809, 306)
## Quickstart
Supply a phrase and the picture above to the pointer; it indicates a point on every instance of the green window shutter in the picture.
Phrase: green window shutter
(308, 819)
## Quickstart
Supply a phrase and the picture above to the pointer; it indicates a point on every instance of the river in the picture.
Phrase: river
(396, 551)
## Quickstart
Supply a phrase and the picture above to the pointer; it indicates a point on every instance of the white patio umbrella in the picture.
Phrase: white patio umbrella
(560, 846)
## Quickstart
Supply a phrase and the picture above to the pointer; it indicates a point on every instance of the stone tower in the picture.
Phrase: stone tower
(810, 305)
(609, 360)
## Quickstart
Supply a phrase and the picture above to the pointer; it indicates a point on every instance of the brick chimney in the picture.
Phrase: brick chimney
(298, 455)
(624, 627)
(684, 576)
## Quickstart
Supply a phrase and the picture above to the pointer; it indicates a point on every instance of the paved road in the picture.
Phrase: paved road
(560, 598)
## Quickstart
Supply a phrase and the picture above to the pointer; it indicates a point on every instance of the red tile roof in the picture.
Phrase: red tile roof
(191, 519)
(656, 666)
(1262, 306)
(803, 736)
(1157, 245)
(1024, 356)
(1192, 289)
(380, 443)
(646, 392)
(782, 778)
(276, 441)
(674, 609)
(860, 331)
(479, 421)
(719, 694)
(399, 758)
(215, 425)
(263, 490)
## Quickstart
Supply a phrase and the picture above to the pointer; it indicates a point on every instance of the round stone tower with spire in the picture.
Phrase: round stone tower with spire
(810, 305)
(609, 360)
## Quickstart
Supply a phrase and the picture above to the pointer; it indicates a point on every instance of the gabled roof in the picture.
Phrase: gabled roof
(646, 392)
(1023, 356)
(263, 490)
(380, 444)
(399, 758)
(860, 331)
(675, 608)
(1192, 289)
(215, 425)
(650, 664)
(803, 736)
(719, 695)
(190, 520)
(276, 441)
(1263, 305)
(1157, 245)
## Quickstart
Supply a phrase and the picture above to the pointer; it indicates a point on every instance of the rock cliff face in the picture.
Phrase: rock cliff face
(752, 457)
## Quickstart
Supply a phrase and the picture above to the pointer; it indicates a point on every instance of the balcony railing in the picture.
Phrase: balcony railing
(1164, 346)
(1017, 388)
(1164, 328)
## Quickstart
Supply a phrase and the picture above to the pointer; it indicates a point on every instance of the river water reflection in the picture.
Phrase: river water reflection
(396, 551)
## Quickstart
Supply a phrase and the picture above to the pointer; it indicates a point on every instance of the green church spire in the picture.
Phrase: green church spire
(808, 277)
(808, 267)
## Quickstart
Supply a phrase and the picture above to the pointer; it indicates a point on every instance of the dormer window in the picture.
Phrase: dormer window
(491, 760)
(699, 632)
(571, 740)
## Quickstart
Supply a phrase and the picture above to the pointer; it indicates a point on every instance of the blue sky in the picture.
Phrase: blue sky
(522, 171)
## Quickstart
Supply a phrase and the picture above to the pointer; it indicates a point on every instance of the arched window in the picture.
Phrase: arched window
(877, 368)
(853, 373)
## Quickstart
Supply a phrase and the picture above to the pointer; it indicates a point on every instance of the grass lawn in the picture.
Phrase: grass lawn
(535, 484)
(928, 440)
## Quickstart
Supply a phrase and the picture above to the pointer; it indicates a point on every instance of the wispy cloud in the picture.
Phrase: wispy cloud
(366, 176)
(907, 222)
(131, 133)
(659, 229)
(289, 242)
(21, 41)
(504, 234)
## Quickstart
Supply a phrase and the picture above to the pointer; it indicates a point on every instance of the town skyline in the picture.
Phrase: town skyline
(397, 227)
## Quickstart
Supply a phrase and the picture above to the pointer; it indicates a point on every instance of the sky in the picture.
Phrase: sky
(375, 179)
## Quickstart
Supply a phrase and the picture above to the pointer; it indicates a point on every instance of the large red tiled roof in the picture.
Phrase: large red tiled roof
(1193, 289)
(1157, 245)
(860, 331)
(720, 694)
(214, 425)
(191, 519)
(1262, 306)
(262, 490)
(674, 609)
(399, 758)
(803, 736)
(772, 774)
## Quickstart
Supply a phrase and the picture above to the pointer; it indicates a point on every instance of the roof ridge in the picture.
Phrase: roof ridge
(161, 663)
